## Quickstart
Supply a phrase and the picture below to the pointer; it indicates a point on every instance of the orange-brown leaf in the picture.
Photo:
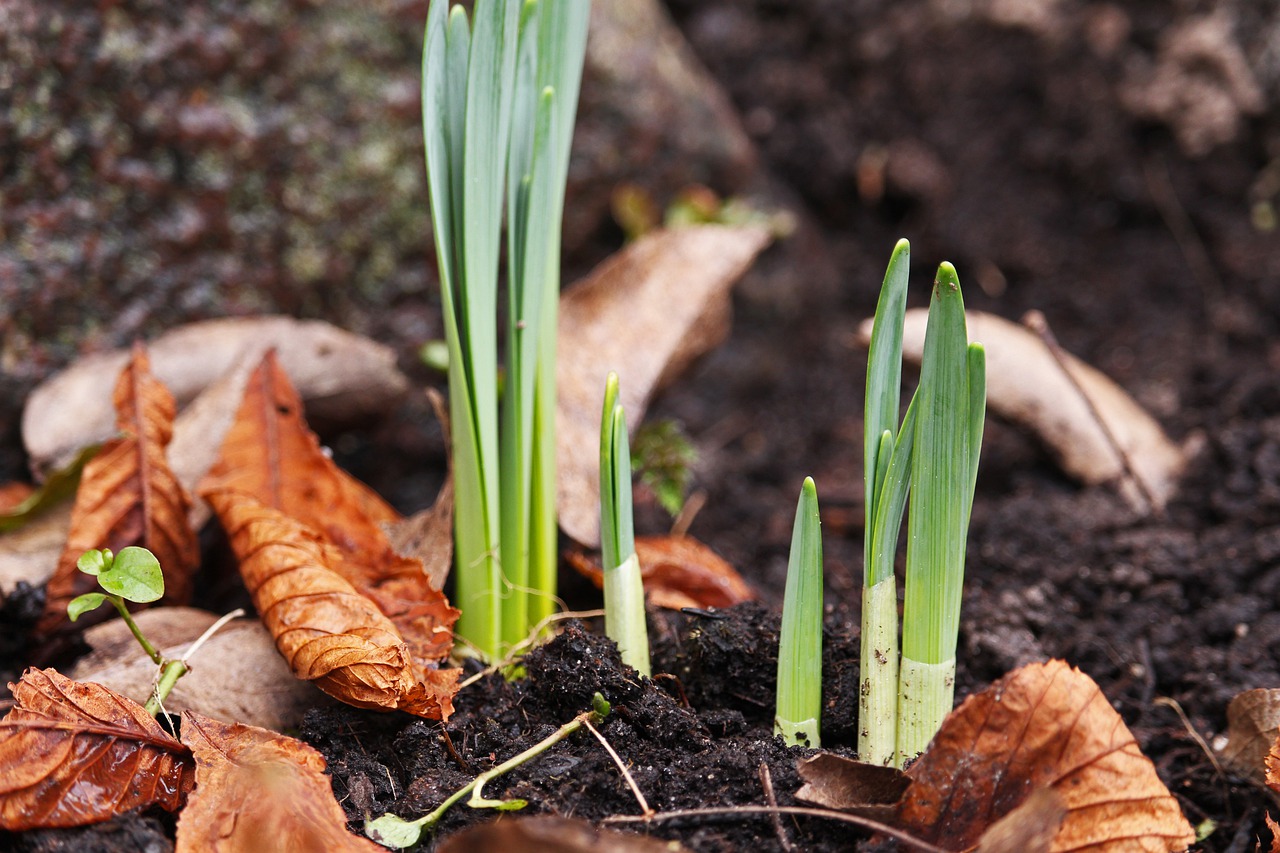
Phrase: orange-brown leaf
(328, 631)
(1275, 833)
(13, 493)
(74, 753)
(1042, 725)
(129, 496)
(270, 455)
(1273, 766)
(679, 571)
(1253, 724)
(257, 790)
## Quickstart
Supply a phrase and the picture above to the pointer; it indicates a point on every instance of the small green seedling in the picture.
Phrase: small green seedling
(663, 455)
(396, 832)
(799, 705)
(624, 618)
(135, 575)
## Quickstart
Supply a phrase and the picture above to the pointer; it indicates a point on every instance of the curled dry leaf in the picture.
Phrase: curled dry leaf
(551, 835)
(129, 496)
(236, 675)
(678, 571)
(326, 630)
(72, 754)
(1032, 386)
(836, 782)
(645, 313)
(1275, 833)
(1043, 725)
(1253, 723)
(257, 790)
(1273, 766)
(272, 457)
(342, 376)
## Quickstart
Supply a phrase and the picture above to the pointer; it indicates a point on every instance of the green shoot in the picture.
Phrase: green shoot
(951, 402)
(396, 832)
(799, 707)
(624, 617)
(498, 107)
(135, 575)
(887, 453)
(662, 456)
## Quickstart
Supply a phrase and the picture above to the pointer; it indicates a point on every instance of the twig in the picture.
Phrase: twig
(626, 774)
(1191, 730)
(729, 811)
(688, 512)
(1036, 322)
(766, 782)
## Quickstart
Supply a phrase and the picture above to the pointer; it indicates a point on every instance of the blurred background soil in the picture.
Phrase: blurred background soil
(1114, 165)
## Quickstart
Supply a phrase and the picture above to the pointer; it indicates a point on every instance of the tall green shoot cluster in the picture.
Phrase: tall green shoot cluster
(498, 101)
(624, 620)
(930, 462)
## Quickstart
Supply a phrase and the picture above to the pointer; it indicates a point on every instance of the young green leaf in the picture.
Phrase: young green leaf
(95, 562)
(82, 604)
(134, 576)
(799, 701)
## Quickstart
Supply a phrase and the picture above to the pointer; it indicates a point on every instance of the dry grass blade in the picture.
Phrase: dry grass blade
(129, 496)
(72, 754)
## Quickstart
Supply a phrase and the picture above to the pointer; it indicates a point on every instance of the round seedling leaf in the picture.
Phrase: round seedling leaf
(94, 562)
(135, 576)
(394, 832)
(82, 604)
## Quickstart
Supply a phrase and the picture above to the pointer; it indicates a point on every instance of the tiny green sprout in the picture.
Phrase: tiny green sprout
(799, 705)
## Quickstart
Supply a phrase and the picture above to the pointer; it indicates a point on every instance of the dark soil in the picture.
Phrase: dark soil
(1035, 152)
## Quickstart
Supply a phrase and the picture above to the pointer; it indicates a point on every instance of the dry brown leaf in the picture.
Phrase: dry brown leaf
(343, 378)
(1253, 722)
(236, 675)
(129, 496)
(1030, 828)
(327, 631)
(551, 835)
(270, 455)
(1275, 833)
(1027, 384)
(72, 754)
(1273, 766)
(645, 313)
(836, 782)
(677, 571)
(257, 790)
(30, 553)
(427, 536)
(14, 493)
(1043, 725)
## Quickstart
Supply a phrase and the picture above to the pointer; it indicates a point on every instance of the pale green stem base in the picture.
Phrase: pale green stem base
(624, 621)
(878, 692)
(797, 732)
(926, 692)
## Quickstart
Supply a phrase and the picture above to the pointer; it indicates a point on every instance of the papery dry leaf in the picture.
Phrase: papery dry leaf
(427, 536)
(129, 496)
(30, 553)
(72, 754)
(343, 378)
(270, 455)
(257, 790)
(836, 782)
(1030, 828)
(677, 571)
(645, 313)
(1275, 833)
(551, 835)
(1027, 384)
(1253, 722)
(326, 630)
(1273, 766)
(1043, 725)
(236, 675)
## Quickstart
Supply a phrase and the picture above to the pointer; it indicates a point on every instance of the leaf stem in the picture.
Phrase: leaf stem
(152, 652)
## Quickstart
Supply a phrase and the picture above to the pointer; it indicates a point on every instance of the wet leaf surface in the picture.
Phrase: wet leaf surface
(1043, 725)
(645, 313)
(128, 496)
(73, 753)
(257, 790)
(1253, 723)
(678, 571)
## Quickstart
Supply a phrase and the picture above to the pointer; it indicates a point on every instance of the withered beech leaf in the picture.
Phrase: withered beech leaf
(343, 377)
(1030, 828)
(647, 312)
(129, 496)
(1043, 725)
(1027, 385)
(1273, 766)
(329, 633)
(551, 835)
(1253, 722)
(270, 455)
(257, 790)
(73, 753)
(1275, 833)
(836, 782)
(678, 571)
